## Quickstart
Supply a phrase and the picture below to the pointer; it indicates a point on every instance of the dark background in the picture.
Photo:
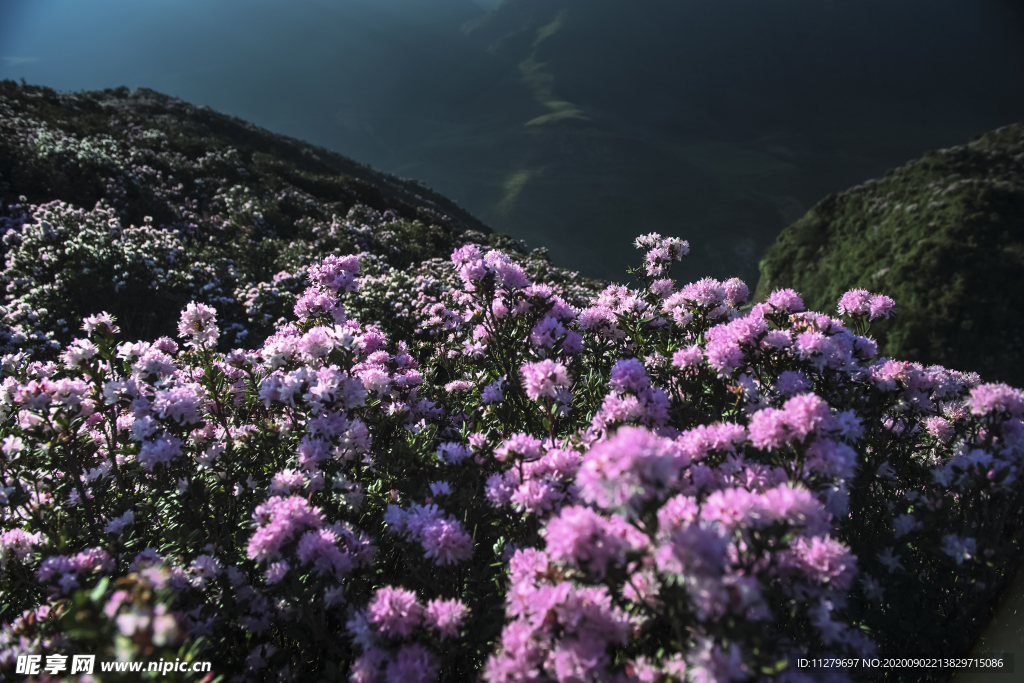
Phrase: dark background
(573, 124)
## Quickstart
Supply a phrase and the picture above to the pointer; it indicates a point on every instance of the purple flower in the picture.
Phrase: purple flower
(855, 302)
(413, 664)
(736, 291)
(368, 667)
(880, 306)
(904, 524)
(445, 541)
(336, 273)
(825, 561)
(629, 374)
(632, 466)
(319, 548)
(996, 398)
(160, 451)
(394, 612)
(276, 571)
(492, 392)
(544, 378)
(546, 332)
(785, 301)
(959, 548)
(791, 382)
(498, 490)
(446, 616)
(693, 550)
(580, 537)
(452, 453)
(119, 524)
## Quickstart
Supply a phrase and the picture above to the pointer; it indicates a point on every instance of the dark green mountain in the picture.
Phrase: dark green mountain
(137, 203)
(943, 236)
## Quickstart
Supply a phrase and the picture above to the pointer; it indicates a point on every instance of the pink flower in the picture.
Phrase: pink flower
(785, 301)
(996, 398)
(180, 403)
(855, 302)
(78, 351)
(101, 322)
(446, 616)
(445, 541)
(732, 508)
(336, 273)
(632, 466)
(689, 357)
(521, 446)
(394, 612)
(198, 323)
(825, 560)
(581, 537)
(881, 306)
(736, 291)
(544, 378)
(280, 520)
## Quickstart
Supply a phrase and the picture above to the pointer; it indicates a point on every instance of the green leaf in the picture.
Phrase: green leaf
(100, 590)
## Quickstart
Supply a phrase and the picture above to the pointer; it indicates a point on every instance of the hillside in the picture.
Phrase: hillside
(136, 203)
(944, 236)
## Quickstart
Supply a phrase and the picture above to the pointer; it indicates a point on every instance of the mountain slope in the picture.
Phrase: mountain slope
(944, 236)
(137, 203)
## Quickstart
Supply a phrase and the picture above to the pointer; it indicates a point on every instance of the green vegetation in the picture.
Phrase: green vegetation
(943, 236)
(124, 179)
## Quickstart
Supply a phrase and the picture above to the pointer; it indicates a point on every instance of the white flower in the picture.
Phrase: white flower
(118, 524)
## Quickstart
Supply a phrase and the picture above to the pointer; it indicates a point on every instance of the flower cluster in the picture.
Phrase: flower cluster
(419, 468)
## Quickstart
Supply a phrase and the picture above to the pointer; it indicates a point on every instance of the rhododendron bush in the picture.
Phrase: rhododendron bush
(507, 480)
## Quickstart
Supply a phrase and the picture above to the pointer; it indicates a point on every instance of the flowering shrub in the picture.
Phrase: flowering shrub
(359, 461)
(654, 485)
